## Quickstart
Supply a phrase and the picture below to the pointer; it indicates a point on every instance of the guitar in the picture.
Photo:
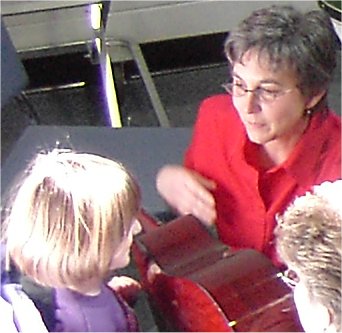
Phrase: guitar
(195, 283)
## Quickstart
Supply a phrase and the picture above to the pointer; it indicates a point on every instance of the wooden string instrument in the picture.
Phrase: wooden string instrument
(195, 283)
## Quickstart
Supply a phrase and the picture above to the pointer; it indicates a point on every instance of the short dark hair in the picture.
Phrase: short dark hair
(304, 42)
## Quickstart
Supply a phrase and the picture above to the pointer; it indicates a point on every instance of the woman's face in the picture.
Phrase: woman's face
(281, 119)
(121, 257)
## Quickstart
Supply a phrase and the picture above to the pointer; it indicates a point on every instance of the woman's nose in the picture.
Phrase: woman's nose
(251, 103)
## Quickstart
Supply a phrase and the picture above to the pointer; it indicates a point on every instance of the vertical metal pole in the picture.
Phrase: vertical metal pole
(151, 88)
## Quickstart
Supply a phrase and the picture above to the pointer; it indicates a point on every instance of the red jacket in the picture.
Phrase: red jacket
(247, 199)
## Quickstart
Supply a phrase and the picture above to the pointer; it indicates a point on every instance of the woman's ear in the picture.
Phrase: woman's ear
(315, 99)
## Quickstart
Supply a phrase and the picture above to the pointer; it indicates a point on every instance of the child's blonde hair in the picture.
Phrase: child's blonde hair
(68, 216)
(308, 237)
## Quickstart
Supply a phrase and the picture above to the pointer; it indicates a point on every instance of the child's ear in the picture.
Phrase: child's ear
(322, 312)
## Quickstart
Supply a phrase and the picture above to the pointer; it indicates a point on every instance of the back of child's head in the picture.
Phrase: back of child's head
(308, 240)
(68, 216)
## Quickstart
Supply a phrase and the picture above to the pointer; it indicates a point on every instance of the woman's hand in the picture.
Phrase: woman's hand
(188, 192)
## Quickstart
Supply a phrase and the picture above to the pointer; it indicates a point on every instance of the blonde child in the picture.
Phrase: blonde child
(308, 240)
(68, 224)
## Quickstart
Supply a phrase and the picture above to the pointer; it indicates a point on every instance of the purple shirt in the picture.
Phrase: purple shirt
(101, 313)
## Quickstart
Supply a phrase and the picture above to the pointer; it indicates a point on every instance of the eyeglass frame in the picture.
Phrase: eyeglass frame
(290, 278)
(229, 89)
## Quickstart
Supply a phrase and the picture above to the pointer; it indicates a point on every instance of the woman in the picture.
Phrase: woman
(308, 239)
(69, 224)
(271, 138)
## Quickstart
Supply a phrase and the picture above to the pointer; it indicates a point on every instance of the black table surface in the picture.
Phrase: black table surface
(143, 150)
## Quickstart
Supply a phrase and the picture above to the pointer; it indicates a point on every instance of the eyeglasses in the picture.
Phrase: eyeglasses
(263, 94)
(290, 278)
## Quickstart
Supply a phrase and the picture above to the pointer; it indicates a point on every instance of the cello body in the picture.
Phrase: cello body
(195, 283)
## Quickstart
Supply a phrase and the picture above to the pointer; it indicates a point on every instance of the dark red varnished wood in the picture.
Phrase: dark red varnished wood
(203, 286)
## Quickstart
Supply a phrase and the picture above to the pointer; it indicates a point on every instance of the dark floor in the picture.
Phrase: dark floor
(182, 82)
(184, 79)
